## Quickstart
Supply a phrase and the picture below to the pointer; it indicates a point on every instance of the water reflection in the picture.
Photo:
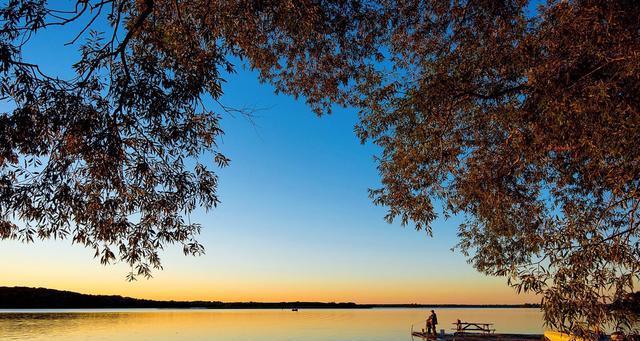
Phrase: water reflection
(267, 325)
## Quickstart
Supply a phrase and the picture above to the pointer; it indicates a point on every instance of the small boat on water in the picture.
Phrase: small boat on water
(558, 336)
(294, 309)
(551, 335)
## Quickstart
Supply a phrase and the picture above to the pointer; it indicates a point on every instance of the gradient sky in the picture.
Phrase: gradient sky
(295, 221)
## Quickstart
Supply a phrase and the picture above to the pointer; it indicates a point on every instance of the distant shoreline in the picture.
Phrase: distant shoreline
(42, 298)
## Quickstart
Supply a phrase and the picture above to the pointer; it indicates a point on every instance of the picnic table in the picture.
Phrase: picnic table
(473, 327)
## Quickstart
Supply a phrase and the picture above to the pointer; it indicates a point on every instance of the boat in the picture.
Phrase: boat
(551, 335)
(294, 309)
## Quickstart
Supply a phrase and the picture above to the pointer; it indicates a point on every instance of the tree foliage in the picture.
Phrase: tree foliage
(528, 126)
(112, 157)
(524, 120)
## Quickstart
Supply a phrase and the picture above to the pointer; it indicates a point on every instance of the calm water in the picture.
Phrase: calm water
(264, 325)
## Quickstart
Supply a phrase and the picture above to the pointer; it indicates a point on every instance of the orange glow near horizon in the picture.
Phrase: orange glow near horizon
(325, 291)
(453, 294)
(58, 266)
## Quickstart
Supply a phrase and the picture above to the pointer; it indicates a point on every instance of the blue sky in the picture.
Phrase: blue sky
(295, 221)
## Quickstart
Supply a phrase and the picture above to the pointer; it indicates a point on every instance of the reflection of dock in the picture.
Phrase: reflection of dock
(479, 337)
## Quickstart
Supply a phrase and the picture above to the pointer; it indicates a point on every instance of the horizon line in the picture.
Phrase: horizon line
(328, 303)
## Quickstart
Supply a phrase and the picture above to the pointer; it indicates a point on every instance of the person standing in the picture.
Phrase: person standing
(434, 321)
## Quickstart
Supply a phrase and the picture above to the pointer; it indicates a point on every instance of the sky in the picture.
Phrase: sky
(295, 223)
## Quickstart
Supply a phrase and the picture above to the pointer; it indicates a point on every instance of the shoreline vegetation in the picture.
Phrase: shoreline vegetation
(43, 298)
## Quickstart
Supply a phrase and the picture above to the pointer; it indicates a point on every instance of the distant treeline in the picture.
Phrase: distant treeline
(42, 298)
(32, 298)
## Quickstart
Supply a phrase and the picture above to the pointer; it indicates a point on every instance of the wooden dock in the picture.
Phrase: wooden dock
(479, 337)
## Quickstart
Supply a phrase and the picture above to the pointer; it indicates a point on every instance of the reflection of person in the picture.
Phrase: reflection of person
(434, 321)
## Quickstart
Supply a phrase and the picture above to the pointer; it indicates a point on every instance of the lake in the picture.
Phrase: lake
(265, 325)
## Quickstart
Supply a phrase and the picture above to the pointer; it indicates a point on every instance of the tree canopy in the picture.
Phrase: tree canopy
(528, 126)
(111, 158)
(521, 118)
